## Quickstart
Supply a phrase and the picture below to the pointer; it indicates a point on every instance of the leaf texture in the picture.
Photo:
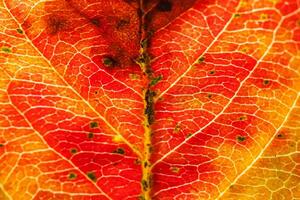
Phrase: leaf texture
(162, 99)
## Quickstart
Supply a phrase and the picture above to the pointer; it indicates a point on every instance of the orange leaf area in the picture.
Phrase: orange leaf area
(162, 99)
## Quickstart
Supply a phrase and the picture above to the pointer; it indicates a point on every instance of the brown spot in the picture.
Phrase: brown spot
(91, 176)
(109, 61)
(55, 24)
(73, 151)
(90, 135)
(119, 151)
(240, 138)
(93, 124)
(72, 176)
(243, 118)
(280, 135)
(266, 82)
(201, 59)
(96, 22)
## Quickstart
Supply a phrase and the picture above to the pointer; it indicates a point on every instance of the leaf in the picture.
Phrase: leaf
(162, 99)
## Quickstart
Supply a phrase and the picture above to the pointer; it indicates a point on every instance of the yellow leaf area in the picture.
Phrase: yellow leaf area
(276, 173)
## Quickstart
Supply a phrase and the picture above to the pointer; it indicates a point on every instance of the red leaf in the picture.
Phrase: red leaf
(162, 99)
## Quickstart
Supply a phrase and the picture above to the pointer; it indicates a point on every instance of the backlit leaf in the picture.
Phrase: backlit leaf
(161, 99)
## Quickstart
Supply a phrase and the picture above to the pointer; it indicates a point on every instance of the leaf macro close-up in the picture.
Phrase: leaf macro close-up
(149, 99)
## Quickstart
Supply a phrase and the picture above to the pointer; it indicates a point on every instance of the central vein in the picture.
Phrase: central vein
(144, 62)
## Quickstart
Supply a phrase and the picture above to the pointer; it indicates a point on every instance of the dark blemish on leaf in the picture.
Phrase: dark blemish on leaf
(19, 30)
(236, 15)
(149, 111)
(142, 197)
(266, 82)
(6, 49)
(155, 80)
(240, 138)
(209, 96)
(212, 72)
(73, 151)
(93, 124)
(56, 24)
(242, 118)
(145, 185)
(109, 61)
(96, 22)
(146, 164)
(1, 145)
(164, 6)
(188, 135)
(119, 151)
(72, 176)
(122, 23)
(90, 135)
(201, 59)
(280, 135)
(91, 176)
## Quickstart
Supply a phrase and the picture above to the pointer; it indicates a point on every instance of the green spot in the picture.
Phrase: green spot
(236, 15)
(144, 43)
(91, 176)
(73, 151)
(142, 197)
(177, 128)
(72, 176)
(90, 135)
(119, 151)
(266, 82)
(93, 124)
(134, 76)
(174, 169)
(19, 30)
(6, 49)
(155, 80)
(240, 138)
(201, 59)
(108, 61)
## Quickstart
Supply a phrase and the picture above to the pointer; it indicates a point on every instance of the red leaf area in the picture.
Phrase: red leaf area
(161, 99)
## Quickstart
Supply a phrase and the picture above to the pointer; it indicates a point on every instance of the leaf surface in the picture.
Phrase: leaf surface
(162, 99)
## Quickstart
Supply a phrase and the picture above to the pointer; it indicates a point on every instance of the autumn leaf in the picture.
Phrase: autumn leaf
(161, 99)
